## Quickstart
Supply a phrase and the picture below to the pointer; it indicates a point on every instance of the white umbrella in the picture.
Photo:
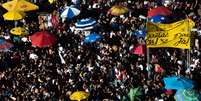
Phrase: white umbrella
(70, 12)
(85, 24)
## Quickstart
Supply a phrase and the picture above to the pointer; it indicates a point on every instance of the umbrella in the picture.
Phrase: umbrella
(43, 39)
(70, 12)
(51, 1)
(5, 45)
(92, 38)
(13, 15)
(158, 19)
(187, 95)
(85, 24)
(18, 31)
(118, 10)
(133, 93)
(79, 95)
(159, 11)
(140, 33)
(140, 49)
(177, 82)
(19, 5)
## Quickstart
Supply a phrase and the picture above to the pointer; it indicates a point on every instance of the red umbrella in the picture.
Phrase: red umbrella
(43, 39)
(159, 11)
(139, 49)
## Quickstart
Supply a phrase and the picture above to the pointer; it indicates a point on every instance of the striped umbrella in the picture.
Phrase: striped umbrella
(5, 45)
(70, 12)
(187, 95)
(85, 24)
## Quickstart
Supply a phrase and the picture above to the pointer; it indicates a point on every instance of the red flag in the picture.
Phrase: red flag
(140, 49)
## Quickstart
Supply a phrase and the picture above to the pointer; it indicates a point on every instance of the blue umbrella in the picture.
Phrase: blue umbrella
(92, 38)
(85, 24)
(187, 95)
(176, 82)
(158, 19)
(140, 33)
(70, 12)
(4, 45)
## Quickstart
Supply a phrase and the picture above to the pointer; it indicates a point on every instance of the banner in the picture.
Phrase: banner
(175, 35)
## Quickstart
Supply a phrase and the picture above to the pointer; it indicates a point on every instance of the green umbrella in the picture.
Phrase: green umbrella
(134, 93)
(187, 95)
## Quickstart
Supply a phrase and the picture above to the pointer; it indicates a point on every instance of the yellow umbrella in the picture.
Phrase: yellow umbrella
(118, 10)
(13, 15)
(18, 31)
(51, 1)
(19, 5)
(79, 95)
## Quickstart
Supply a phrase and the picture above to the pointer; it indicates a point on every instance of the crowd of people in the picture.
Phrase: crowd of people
(106, 69)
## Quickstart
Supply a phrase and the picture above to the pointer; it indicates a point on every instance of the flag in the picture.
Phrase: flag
(175, 35)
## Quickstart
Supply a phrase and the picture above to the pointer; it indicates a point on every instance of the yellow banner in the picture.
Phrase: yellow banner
(175, 35)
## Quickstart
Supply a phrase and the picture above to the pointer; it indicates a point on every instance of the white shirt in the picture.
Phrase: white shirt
(24, 39)
(7, 37)
(33, 56)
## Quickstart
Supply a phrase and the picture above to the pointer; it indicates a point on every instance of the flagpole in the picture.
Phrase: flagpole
(189, 50)
(147, 49)
(188, 53)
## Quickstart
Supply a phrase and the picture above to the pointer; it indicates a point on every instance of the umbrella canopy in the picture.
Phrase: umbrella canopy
(140, 49)
(92, 38)
(133, 93)
(159, 11)
(118, 10)
(70, 12)
(13, 15)
(79, 95)
(43, 39)
(18, 31)
(19, 5)
(85, 24)
(158, 19)
(176, 82)
(51, 1)
(5, 45)
(187, 95)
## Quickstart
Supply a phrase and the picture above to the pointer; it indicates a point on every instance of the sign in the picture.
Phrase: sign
(175, 35)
